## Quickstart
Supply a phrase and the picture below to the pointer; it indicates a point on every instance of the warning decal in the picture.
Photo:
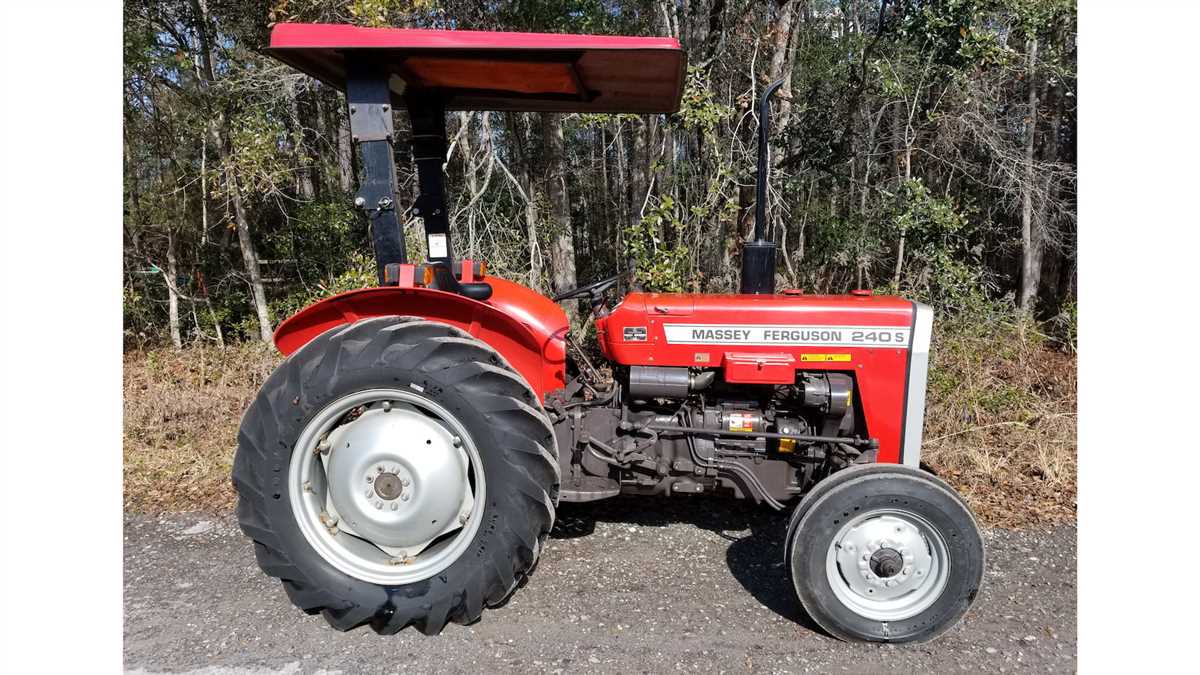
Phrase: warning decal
(740, 422)
(795, 336)
(437, 246)
(823, 358)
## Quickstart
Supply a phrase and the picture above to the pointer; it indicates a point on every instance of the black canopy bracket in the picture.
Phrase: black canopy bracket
(371, 122)
(427, 114)
(372, 129)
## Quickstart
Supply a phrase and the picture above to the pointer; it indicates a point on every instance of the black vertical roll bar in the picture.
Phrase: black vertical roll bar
(427, 115)
(371, 128)
(369, 97)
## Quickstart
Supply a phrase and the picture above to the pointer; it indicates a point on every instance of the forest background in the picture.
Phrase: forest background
(919, 148)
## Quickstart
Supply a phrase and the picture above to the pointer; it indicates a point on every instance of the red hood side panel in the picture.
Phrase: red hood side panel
(765, 339)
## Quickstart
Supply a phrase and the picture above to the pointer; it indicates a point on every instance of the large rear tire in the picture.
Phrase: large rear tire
(884, 553)
(396, 472)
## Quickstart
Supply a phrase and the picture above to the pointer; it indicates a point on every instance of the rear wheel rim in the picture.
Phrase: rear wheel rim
(888, 565)
(387, 486)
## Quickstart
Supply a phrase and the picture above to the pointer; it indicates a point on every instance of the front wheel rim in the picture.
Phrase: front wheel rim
(888, 565)
(387, 486)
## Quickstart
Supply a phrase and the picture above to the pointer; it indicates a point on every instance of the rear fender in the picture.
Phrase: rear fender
(526, 328)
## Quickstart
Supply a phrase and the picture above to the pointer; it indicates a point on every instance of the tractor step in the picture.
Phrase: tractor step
(589, 489)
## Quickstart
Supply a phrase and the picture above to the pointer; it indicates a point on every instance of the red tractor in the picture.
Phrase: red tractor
(403, 465)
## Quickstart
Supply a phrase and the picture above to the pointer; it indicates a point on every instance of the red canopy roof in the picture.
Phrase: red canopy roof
(479, 70)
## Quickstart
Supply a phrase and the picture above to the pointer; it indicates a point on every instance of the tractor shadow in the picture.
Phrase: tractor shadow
(754, 559)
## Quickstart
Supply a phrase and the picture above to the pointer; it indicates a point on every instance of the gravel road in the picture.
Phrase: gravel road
(628, 585)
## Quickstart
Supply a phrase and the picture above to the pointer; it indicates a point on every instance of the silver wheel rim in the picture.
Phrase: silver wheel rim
(888, 565)
(387, 486)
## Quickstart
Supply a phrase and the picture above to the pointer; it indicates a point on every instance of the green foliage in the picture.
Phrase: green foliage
(941, 265)
(321, 239)
(699, 108)
(986, 47)
(980, 363)
(653, 244)
(940, 28)
(359, 272)
(933, 90)
(258, 158)
(326, 248)
(372, 13)
(602, 119)
(384, 13)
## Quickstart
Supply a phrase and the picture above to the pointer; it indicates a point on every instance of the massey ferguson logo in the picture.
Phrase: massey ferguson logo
(796, 336)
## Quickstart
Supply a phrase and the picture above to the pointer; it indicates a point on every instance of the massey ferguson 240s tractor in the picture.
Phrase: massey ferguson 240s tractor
(403, 466)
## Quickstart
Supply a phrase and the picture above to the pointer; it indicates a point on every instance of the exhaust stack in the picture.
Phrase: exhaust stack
(758, 256)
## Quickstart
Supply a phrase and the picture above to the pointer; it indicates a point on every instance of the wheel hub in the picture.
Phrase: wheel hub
(396, 477)
(387, 486)
(887, 565)
(886, 562)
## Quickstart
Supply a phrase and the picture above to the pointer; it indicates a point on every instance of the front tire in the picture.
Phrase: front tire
(396, 472)
(884, 553)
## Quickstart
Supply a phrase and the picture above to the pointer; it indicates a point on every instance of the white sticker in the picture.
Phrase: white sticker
(765, 335)
(437, 246)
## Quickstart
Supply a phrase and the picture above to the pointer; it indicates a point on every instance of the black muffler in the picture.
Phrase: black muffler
(758, 256)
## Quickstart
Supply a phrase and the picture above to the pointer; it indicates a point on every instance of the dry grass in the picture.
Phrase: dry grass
(1000, 424)
(182, 411)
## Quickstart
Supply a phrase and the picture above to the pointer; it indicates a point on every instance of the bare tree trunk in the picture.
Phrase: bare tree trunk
(198, 269)
(1061, 259)
(345, 150)
(203, 190)
(469, 167)
(781, 58)
(562, 242)
(517, 130)
(172, 277)
(621, 184)
(639, 170)
(1031, 269)
(800, 248)
(605, 215)
(907, 161)
(868, 161)
(868, 164)
(249, 257)
(531, 232)
(668, 161)
(212, 315)
(903, 146)
(321, 146)
(304, 169)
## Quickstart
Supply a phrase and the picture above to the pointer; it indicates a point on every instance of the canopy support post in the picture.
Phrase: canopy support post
(427, 115)
(371, 128)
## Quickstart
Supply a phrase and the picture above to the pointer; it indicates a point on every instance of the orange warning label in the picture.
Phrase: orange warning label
(823, 358)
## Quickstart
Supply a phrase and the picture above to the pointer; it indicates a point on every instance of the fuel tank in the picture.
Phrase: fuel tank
(766, 339)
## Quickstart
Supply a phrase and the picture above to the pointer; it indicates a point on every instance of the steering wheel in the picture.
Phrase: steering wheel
(593, 289)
